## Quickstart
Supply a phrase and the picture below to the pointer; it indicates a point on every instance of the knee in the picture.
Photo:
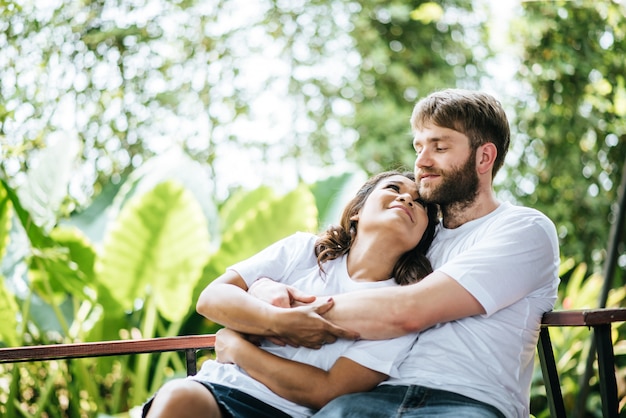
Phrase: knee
(177, 395)
(178, 390)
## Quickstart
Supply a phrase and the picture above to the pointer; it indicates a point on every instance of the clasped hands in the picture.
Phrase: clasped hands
(300, 324)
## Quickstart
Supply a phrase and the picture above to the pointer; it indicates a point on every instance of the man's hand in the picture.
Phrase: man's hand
(278, 294)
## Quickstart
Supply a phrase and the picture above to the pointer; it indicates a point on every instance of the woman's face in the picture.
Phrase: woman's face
(393, 207)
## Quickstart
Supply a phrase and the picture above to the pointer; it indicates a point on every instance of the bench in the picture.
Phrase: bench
(600, 320)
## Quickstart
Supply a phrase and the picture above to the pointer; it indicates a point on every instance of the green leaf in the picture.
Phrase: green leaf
(8, 316)
(53, 275)
(35, 234)
(268, 220)
(47, 181)
(158, 245)
(81, 252)
(258, 219)
(333, 193)
(5, 221)
(66, 267)
(241, 203)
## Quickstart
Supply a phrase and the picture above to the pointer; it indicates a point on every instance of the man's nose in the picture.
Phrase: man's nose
(423, 159)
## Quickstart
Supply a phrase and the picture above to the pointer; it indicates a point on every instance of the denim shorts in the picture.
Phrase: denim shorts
(234, 403)
(407, 402)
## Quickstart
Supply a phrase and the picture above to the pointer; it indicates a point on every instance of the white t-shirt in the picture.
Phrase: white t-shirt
(292, 261)
(508, 260)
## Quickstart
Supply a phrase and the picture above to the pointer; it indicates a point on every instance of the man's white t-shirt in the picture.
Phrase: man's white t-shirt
(508, 260)
(292, 261)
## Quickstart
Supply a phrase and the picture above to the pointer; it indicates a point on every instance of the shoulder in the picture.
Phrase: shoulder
(522, 215)
(303, 238)
(527, 223)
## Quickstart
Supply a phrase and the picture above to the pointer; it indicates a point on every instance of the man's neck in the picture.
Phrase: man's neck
(457, 214)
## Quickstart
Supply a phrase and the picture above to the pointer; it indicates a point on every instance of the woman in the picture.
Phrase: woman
(382, 239)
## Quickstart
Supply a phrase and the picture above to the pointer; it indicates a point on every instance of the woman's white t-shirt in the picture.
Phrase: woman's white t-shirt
(292, 261)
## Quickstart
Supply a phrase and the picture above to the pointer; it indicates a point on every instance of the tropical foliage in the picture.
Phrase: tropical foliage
(141, 281)
(126, 128)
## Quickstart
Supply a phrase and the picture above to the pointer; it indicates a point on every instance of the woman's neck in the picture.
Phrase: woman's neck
(371, 260)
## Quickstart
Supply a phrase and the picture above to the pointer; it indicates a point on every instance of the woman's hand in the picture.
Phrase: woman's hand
(227, 342)
(278, 294)
(303, 325)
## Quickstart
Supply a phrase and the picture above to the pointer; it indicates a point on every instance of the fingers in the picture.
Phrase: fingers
(267, 290)
(300, 297)
(277, 340)
(340, 332)
(324, 307)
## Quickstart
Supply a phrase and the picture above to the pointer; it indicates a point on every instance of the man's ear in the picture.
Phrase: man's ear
(486, 155)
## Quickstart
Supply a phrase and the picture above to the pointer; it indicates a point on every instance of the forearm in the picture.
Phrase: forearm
(298, 382)
(375, 314)
(394, 311)
(231, 306)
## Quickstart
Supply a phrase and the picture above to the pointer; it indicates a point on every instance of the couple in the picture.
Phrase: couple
(477, 314)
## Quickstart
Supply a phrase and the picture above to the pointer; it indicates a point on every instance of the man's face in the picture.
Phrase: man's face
(445, 166)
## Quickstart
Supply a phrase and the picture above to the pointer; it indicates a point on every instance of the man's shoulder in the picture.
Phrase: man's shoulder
(515, 218)
(510, 210)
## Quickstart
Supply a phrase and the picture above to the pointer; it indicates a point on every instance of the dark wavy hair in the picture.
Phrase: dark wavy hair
(337, 239)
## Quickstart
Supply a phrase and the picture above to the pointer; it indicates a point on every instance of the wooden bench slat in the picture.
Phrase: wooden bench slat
(598, 319)
(105, 348)
(584, 317)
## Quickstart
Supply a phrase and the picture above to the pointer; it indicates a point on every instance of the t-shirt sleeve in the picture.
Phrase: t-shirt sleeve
(516, 258)
(279, 259)
(383, 356)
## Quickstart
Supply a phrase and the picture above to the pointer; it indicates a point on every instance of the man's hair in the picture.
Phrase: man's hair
(337, 239)
(477, 115)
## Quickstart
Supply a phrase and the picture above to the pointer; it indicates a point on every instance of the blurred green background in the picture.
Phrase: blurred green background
(146, 145)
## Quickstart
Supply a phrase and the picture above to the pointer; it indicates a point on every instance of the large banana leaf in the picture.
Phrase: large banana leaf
(333, 193)
(48, 177)
(174, 165)
(157, 246)
(255, 220)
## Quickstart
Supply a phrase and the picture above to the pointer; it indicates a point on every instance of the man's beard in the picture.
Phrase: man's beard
(458, 186)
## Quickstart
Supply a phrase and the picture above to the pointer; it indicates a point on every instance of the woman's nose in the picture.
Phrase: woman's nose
(405, 198)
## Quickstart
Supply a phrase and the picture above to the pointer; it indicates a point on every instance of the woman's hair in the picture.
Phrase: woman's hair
(337, 239)
(477, 115)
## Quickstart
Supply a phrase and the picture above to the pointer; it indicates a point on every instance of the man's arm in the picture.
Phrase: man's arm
(226, 302)
(298, 382)
(394, 311)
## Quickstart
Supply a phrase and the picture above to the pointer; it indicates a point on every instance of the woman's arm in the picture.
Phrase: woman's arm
(226, 302)
(298, 382)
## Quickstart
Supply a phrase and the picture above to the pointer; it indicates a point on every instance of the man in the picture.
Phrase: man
(496, 273)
